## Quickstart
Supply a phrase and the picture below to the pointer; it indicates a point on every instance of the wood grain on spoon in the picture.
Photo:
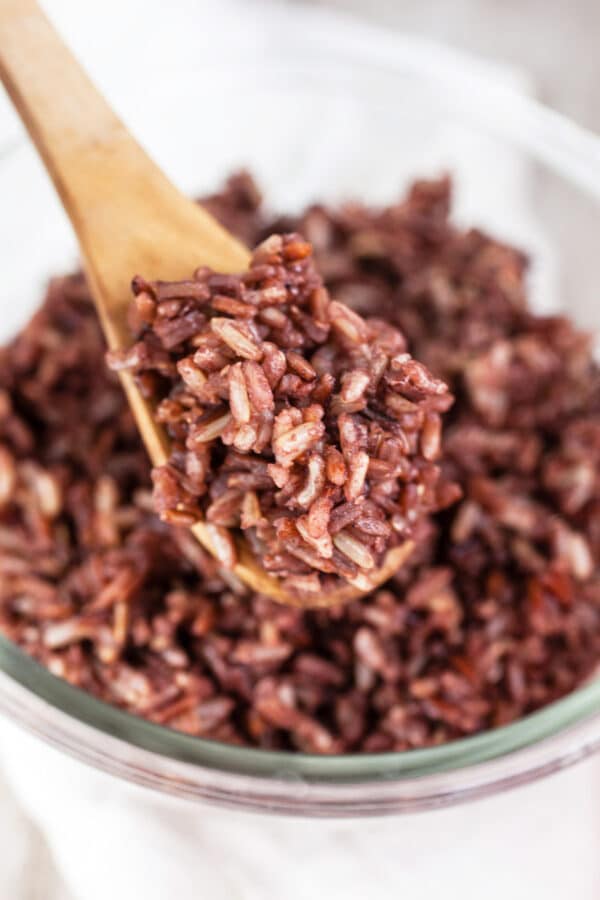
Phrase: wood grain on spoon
(129, 219)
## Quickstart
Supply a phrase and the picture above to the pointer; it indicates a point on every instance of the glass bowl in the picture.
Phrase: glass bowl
(316, 106)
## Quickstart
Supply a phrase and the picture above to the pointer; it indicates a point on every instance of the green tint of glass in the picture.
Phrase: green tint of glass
(242, 760)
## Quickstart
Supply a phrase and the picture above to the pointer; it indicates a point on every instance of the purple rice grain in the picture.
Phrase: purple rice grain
(496, 615)
(288, 379)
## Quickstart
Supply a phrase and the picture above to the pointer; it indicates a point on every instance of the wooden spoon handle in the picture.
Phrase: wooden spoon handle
(127, 216)
(128, 219)
(73, 128)
(110, 188)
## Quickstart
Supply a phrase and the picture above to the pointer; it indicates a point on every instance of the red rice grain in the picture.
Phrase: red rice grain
(496, 615)
(342, 385)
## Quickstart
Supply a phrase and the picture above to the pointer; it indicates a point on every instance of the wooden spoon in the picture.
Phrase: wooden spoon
(128, 218)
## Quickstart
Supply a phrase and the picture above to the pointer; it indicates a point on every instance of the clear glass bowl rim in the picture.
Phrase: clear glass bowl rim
(565, 730)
